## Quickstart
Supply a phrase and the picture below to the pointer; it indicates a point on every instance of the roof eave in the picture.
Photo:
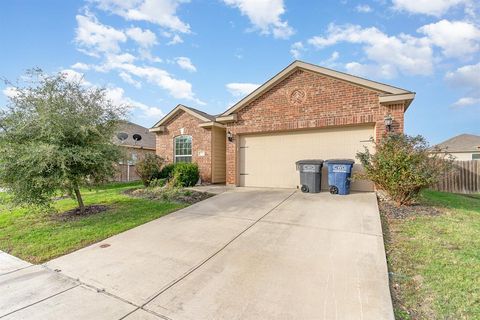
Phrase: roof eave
(211, 124)
(157, 129)
(227, 119)
(406, 98)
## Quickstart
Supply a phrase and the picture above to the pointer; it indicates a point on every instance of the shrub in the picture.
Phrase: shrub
(402, 166)
(185, 175)
(154, 183)
(148, 168)
(166, 172)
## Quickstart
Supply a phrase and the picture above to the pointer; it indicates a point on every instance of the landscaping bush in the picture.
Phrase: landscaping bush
(185, 175)
(154, 183)
(402, 166)
(148, 168)
(166, 172)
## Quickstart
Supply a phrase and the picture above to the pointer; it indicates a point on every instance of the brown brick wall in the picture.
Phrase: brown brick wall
(309, 100)
(201, 140)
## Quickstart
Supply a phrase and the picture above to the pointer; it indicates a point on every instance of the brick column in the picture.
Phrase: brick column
(232, 148)
(397, 113)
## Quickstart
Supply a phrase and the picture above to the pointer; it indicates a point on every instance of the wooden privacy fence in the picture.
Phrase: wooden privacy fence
(126, 172)
(464, 178)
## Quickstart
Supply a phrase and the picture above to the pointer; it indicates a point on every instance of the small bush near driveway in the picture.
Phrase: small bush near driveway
(185, 175)
(402, 166)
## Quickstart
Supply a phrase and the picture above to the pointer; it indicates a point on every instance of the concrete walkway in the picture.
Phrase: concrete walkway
(243, 254)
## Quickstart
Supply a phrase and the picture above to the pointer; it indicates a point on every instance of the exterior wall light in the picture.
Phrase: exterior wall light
(388, 120)
(230, 136)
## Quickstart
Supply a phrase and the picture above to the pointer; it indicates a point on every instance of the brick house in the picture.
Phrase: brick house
(135, 141)
(303, 112)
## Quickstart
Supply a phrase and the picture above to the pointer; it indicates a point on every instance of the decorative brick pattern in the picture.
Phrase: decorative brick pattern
(201, 142)
(327, 102)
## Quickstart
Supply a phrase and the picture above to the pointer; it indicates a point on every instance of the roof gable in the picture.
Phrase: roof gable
(194, 112)
(462, 142)
(384, 89)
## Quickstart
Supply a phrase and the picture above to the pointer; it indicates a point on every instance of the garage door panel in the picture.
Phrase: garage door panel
(268, 160)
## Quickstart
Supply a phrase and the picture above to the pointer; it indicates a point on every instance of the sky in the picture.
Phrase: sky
(155, 54)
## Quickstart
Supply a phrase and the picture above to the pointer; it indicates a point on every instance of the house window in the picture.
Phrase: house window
(182, 148)
(476, 156)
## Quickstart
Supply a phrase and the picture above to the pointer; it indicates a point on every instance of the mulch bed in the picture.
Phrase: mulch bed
(164, 194)
(392, 211)
(75, 214)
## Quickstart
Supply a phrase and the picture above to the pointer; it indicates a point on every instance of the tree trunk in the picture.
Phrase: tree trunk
(79, 199)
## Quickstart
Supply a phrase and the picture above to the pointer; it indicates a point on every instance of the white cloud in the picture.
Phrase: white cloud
(456, 38)
(160, 12)
(80, 66)
(145, 54)
(94, 37)
(112, 61)
(117, 96)
(180, 89)
(128, 79)
(384, 71)
(296, 49)
(103, 42)
(402, 53)
(468, 79)
(185, 63)
(74, 76)
(265, 15)
(176, 39)
(10, 92)
(144, 38)
(428, 7)
(466, 101)
(238, 89)
(363, 8)
(466, 76)
(331, 62)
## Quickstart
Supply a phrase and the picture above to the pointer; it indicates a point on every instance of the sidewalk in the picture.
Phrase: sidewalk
(36, 292)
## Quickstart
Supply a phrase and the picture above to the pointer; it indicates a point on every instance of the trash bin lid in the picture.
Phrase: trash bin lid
(340, 161)
(311, 161)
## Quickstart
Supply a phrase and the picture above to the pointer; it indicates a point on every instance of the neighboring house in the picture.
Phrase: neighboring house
(136, 141)
(462, 147)
(303, 112)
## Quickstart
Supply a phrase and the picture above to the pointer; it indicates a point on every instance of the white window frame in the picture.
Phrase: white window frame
(175, 156)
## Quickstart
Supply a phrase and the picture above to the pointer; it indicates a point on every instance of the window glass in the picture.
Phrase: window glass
(183, 148)
(476, 156)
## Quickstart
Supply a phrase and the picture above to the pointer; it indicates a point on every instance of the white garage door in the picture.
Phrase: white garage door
(268, 160)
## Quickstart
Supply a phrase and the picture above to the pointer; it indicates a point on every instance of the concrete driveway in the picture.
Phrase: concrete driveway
(243, 254)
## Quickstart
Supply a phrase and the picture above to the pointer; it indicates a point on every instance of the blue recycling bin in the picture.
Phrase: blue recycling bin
(339, 174)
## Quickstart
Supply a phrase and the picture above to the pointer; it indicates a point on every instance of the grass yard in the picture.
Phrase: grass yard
(434, 260)
(38, 236)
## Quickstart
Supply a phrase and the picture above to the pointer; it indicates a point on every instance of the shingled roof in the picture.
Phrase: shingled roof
(461, 143)
(130, 128)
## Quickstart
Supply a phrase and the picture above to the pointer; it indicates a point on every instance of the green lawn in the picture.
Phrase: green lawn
(435, 260)
(38, 236)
